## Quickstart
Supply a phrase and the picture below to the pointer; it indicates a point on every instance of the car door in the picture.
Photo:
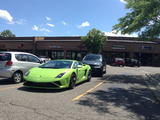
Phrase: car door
(81, 71)
(22, 62)
(33, 61)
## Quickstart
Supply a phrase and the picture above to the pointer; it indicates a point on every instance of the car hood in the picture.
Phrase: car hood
(44, 74)
(92, 62)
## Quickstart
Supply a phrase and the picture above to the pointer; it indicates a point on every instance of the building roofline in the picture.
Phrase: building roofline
(71, 38)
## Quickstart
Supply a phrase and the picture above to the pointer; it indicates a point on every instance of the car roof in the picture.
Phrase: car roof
(94, 54)
(65, 60)
(15, 52)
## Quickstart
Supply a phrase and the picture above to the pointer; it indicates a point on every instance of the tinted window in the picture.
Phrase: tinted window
(18, 57)
(24, 57)
(75, 65)
(33, 59)
(57, 64)
(21, 57)
(93, 58)
(5, 56)
(79, 63)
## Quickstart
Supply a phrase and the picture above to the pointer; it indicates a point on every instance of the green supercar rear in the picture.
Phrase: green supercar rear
(58, 74)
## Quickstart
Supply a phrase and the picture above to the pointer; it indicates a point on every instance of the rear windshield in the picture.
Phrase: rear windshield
(5, 56)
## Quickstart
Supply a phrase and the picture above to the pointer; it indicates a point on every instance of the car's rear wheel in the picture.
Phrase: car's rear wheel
(72, 81)
(89, 76)
(17, 77)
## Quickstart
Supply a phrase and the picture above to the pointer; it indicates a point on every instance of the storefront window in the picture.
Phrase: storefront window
(57, 54)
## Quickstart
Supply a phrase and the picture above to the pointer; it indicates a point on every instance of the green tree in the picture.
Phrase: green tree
(94, 40)
(7, 33)
(143, 17)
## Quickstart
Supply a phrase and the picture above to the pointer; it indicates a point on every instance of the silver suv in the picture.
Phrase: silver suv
(15, 64)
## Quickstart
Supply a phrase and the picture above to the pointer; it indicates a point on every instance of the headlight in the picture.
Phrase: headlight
(27, 73)
(60, 75)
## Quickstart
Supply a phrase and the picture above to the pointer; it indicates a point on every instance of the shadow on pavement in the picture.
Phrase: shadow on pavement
(5, 82)
(154, 80)
(38, 90)
(127, 79)
(41, 90)
(138, 101)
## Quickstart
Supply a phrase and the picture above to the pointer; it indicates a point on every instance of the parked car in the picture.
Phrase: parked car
(44, 58)
(118, 62)
(132, 62)
(15, 64)
(97, 63)
(57, 74)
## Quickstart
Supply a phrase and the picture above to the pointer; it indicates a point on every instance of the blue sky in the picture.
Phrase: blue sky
(59, 17)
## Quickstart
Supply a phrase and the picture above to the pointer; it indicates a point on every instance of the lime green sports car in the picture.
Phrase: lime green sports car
(58, 74)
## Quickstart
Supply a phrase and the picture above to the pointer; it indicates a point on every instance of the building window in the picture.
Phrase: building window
(57, 54)
(118, 47)
(146, 47)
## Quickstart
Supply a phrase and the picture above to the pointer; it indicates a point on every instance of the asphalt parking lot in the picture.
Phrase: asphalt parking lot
(121, 94)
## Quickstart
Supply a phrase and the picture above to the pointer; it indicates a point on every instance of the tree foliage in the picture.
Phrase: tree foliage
(94, 40)
(7, 33)
(143, 17)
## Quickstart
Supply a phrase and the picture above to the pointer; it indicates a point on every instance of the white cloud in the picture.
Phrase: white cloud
(36, 28)
(20, 22)
(48, 18)
(44, 30)
(84, 24)
(123, 1)
(64, 23)
(4, 14)
(50, 25)
(113, 33)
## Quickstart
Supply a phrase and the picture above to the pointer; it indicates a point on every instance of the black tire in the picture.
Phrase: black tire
(17, 77)
(89, 76)
(72, 81)
(101, 73)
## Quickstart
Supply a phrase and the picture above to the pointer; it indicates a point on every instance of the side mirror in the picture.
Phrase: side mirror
(79, 66)
(41, 61)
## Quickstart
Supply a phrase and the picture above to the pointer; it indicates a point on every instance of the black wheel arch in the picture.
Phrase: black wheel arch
(20, 71)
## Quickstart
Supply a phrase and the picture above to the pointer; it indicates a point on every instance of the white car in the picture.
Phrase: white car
(15, 64)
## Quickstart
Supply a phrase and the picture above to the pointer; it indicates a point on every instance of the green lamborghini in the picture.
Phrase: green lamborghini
(57, 74)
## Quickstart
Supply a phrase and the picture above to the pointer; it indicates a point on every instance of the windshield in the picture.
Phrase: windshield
(57, 64)
(92, 58)
(5, 56)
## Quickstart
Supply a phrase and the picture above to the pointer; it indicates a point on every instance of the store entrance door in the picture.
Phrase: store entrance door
(56, 54)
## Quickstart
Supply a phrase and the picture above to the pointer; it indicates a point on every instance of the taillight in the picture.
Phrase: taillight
(9, 63)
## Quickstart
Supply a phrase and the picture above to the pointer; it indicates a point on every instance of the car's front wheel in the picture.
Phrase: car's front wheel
(72, 81)
(89, 76)
(17, 77)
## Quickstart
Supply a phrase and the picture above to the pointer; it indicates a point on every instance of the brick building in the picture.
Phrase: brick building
(71, 47)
